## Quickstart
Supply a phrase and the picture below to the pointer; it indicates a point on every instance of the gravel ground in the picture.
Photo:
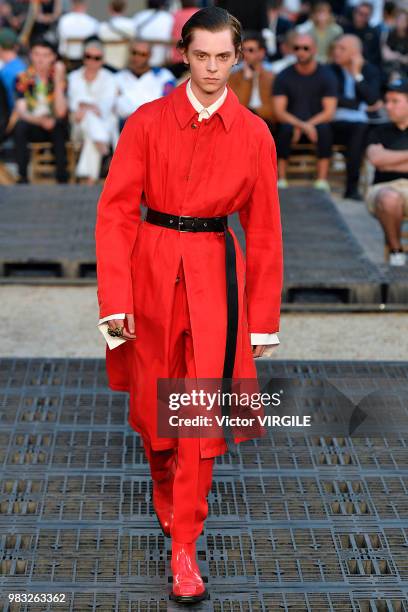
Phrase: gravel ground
(47, 321)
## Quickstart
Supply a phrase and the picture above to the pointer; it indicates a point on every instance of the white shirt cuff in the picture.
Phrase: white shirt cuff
(121, 315)
(257, 339)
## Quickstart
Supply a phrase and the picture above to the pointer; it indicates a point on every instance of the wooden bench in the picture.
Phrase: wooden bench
(43, 161)
(302, 166)
(6, 177)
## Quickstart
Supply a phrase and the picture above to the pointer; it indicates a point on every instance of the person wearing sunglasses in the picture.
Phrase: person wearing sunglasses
(91, 98)
(253, 82)
(140, 83)
(304, 96)
(369, 35)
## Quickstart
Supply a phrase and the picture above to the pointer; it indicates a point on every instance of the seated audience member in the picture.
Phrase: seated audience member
(12, 64)
(46, 16)
(155, 23)
(305, 101)
(395, 48)
(140, 83)
(11, 15)
(389, 16)
(111, 33)
(76, 24)
(369, 35)
(387, 198)
(358, 84)
(252, 82)
(4, 111)
(91, 97)
(188, 8)
(323, 28)
(288, 57)
(41, 108)
(275, 33)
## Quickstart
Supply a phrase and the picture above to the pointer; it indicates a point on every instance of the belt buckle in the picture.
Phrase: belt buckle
(193, 229)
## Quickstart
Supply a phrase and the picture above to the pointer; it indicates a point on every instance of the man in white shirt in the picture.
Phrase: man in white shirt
(155, 23)
(76, 24)
(116, 34)
(140, 83)
(257, 339)
(91, 98)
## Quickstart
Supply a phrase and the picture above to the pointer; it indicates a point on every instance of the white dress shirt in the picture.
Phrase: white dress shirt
(135, 91)
(203, 113)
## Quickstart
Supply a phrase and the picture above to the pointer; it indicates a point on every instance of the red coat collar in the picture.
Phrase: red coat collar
(184, 110)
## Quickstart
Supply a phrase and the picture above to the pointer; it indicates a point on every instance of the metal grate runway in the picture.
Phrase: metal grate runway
(297, 523)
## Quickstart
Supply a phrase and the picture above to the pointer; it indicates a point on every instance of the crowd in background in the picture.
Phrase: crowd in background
(317, 72)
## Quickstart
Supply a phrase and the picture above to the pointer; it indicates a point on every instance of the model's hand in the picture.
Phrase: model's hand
(128, 333)
(258, 350)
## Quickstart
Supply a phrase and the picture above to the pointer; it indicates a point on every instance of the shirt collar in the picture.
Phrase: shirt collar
(197, 104)
(184, 107)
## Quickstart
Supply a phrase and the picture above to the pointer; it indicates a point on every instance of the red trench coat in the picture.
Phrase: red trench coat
(224, 164)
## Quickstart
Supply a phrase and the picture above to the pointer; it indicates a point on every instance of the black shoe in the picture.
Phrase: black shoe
(353, 194)
(190, 599)
(22, 180)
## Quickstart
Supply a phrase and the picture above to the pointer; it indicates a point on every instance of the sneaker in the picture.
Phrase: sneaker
(397, 258)
(283, 184)
(321, 184)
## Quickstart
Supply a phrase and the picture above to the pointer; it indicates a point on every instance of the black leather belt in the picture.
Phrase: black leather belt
(214, 224)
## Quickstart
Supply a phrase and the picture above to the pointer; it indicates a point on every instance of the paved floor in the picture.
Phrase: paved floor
(61, 322)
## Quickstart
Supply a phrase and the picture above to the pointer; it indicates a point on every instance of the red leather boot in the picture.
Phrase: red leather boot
(163, 501)
(188, 586)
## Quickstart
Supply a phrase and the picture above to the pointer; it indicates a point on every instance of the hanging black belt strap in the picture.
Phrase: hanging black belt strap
(214, 224)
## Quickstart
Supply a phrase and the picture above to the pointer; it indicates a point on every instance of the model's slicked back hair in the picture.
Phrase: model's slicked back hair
(213, 19)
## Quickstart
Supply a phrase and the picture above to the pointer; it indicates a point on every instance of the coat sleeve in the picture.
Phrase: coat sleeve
(118, 220)
(261, 221)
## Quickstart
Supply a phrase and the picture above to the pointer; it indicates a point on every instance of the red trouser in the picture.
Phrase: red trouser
(193, 477)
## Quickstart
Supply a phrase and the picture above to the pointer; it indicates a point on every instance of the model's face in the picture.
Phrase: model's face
(397, 106)
(211, 56)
